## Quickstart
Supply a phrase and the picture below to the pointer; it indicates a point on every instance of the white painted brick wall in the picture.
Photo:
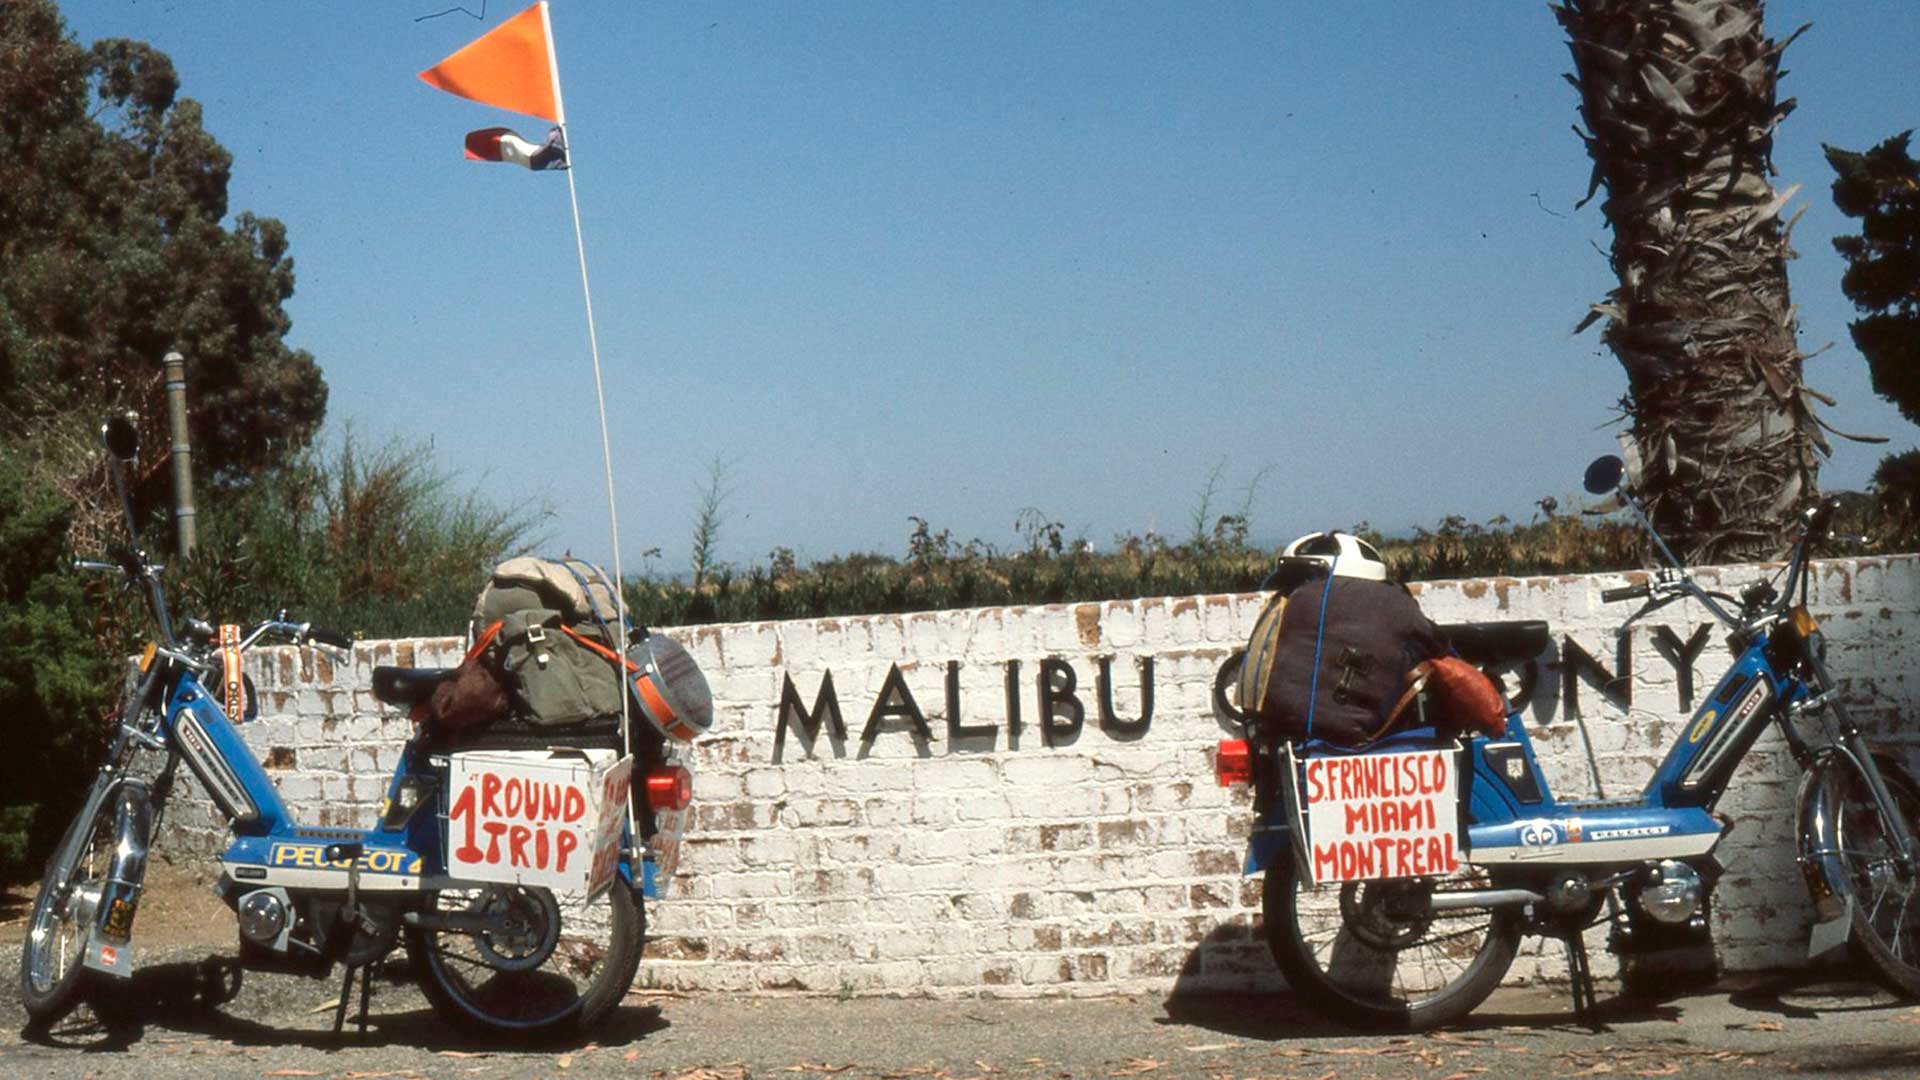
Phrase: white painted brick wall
(1106, 864)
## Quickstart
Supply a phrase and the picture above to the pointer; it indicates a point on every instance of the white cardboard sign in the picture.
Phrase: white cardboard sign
(534, 817)
(1381, 815)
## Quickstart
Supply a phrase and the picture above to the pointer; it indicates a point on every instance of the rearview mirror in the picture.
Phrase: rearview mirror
(1604, 475)
(120, 436)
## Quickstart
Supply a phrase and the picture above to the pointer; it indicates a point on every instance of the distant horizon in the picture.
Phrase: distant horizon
(891, 260)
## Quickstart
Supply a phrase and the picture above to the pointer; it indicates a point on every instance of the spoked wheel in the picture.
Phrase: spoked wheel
(51, 973)
(1886, 900)
(1375, 954)
(534, 962)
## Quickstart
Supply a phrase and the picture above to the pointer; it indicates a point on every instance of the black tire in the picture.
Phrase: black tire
(571, 990)
(52, 978)
(1886, 910)
(1343, 951)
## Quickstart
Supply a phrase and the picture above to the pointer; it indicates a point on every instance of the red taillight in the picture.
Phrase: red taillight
(670, 788)
(1233, 763)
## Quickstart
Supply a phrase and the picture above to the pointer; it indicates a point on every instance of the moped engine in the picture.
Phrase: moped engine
(272, 933)
(354, 937)
(1666, 930)
(266, 918)
(1671, 893)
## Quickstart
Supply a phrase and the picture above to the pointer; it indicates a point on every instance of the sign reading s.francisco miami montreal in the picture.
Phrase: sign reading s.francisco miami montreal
(1062, 701)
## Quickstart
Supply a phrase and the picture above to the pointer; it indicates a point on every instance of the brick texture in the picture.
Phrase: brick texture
(1061, 832)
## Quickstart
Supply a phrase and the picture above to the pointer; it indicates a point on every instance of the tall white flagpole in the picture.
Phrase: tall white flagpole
(606, 443)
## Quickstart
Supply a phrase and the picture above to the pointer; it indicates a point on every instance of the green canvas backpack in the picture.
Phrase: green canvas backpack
(552, 613)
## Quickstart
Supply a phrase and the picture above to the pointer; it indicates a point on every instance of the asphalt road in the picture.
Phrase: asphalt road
(278, 1026)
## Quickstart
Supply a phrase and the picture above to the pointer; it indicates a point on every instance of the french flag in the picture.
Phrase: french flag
(501, 144)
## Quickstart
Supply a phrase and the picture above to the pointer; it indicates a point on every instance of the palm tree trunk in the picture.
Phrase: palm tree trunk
(1679, 102)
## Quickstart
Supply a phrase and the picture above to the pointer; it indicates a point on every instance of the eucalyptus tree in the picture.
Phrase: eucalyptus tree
(115, 246)
(1680, 108)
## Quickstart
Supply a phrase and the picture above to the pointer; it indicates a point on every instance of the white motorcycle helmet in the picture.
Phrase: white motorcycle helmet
(1348, 555)
(1310, 556)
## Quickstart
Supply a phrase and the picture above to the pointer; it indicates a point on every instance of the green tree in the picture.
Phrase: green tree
(56, 675)
(114, 250)
(1679, 102)
(115, 247)
(1881, 188)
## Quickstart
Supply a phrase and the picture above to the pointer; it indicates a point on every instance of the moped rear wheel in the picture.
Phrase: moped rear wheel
(1886, 900)
(560, 965)
(1374, 955)
(52, 975)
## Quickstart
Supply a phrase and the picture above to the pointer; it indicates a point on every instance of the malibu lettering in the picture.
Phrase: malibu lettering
(1060, 714)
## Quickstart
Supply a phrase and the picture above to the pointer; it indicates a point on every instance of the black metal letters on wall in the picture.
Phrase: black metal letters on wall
(1062, 714)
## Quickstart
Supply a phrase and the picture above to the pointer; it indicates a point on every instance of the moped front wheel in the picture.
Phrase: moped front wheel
(1375, 954)
(1886, 899)
(52, 972)
(545, 964)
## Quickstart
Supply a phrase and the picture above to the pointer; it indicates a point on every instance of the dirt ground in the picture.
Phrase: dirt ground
(178, 909)
(168, 1024)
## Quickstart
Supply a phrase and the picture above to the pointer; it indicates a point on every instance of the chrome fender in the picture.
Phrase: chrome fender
(1816, 831)
(109, 947)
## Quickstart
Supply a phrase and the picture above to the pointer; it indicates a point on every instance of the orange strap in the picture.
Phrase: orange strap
(606, 654)
(658, 708)
(486, 639)
(236, 688)
(649, 693)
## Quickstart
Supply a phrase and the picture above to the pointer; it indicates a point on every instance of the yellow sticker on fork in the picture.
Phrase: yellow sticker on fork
(1702, 725)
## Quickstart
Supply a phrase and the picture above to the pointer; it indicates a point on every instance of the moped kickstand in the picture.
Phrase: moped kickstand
(1580, 979)
(354, 919)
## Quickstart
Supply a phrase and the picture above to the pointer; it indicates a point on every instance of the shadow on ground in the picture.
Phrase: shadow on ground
(1236, 953)
(190, 998)
(1811, 994)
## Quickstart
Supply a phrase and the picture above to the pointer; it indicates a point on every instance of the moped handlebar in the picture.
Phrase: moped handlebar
(330, 638)
(1630, 592)
(299, 633)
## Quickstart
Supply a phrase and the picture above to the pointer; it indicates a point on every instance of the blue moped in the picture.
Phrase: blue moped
(1379, 947)
(505, 953)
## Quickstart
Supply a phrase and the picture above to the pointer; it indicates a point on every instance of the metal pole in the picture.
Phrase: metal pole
(176, 366)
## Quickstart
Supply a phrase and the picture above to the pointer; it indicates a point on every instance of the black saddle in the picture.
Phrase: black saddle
(1498, 642)
(406, 685)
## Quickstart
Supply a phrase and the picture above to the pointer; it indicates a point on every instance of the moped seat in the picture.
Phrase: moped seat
(407, 686)
(1498, 642)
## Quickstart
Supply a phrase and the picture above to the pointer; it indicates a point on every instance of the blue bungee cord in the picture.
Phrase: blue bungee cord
(1320, 636)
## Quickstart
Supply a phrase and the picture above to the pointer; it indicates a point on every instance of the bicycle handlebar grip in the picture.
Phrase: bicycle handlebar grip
(1630, 592)
(329, 637)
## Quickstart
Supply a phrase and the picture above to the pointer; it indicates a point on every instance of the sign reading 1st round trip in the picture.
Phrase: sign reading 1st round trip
(1381, 815)
(535, 817)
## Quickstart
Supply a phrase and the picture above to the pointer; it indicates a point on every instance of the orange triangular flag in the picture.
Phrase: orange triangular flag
(510, 66)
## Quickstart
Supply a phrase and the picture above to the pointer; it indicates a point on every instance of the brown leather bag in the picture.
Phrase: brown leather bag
(1460, 697)
(474, 697)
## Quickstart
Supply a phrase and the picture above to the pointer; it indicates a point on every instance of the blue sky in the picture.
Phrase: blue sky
(954, 261)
